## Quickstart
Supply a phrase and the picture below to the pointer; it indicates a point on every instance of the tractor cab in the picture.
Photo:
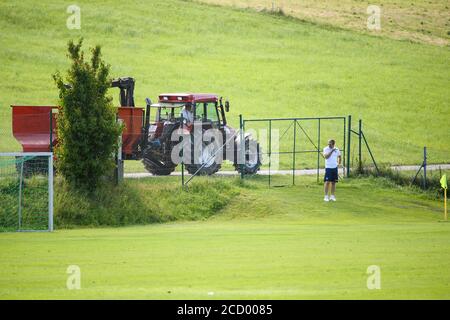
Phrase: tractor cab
(167, 117)
(204, 107)
(181, 112)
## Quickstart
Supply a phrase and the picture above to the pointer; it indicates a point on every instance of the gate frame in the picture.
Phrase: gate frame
(346, 140)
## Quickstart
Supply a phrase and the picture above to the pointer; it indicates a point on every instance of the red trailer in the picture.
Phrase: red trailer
(32, 128)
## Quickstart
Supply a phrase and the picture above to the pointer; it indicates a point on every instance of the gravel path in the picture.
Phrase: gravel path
(139, 175)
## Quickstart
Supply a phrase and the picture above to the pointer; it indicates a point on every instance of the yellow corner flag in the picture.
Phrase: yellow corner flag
(444, 181)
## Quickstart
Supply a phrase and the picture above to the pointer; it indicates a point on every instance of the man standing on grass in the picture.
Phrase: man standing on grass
(332, 157)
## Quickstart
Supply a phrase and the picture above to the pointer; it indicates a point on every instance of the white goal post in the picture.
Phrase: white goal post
(26, 191)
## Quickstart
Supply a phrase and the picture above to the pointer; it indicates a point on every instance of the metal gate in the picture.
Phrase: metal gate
(299, 141)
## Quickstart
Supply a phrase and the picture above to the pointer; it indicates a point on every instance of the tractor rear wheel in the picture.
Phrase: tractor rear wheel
(206, 163)
(252, 161)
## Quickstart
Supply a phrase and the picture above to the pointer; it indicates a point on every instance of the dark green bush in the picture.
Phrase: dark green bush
(87, 129)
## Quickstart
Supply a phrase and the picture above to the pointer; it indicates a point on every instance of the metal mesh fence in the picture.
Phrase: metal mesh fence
(294, 146)
(26, 192)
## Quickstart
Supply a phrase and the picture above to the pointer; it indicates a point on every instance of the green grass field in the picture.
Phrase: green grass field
(286, 243)
(268, 66)
(222, 238)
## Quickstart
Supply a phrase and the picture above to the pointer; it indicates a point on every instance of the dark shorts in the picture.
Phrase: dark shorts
(331, 175)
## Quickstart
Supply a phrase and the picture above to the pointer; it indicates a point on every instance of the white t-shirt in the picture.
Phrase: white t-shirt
(187, 115)
(332, 161)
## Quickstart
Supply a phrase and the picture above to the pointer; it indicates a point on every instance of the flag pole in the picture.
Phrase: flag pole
(445, 204)
(443, 182)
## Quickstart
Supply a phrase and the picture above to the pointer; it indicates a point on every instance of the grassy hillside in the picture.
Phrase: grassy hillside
(421, 20)
(268, 66)
(286, 243)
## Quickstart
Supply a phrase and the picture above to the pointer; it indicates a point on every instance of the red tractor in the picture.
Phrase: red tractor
(152, 141)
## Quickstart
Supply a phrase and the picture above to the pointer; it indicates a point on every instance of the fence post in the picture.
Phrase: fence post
(182, 153)
(242, 145)
(318, 150)
(182, 171)
(270, 149)
(51, 131)
(119, 169)
(370, 153)
(182, 165)
(359, 145)
(344, 151)
(348, 144)
(424, 167)
(293, 155)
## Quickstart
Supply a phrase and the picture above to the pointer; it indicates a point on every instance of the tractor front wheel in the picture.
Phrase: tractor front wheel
(158, 170)
(152, 163)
